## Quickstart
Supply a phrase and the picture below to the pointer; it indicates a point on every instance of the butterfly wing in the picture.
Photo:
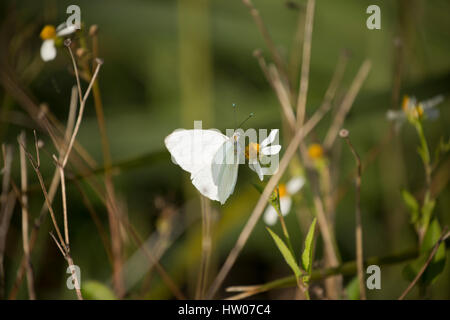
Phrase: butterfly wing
(194, 151)
(225, 169)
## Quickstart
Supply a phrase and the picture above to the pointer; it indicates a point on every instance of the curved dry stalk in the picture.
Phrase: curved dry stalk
(267, 38)
(261, 204)
(25, 217)
(51, 193)
(358, 225)
(283, 96)
(306, 60)
(80, 113)
(63, 247)
(64, 243)
(346, 104)
(7, 203)
(206, 248)
(443, 237)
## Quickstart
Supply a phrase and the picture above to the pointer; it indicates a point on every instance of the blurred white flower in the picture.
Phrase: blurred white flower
(413, 110)
(51, 36)
(286, 192)
(255, 153)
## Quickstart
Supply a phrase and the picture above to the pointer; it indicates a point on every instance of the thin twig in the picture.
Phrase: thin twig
(67, 43)
(306, 59)
(80, 113)
(283, 97)
(64, 199)
(5, 220)
(58, 244)
(206, 248)
(346, 104)
(25, 217)
(64, 247)
(331, 255)
(6, 209)
(443, 237)
(51, 192)
(358, 228)
(36, 168)
(111, 203)
(269, 42)
(296, 51)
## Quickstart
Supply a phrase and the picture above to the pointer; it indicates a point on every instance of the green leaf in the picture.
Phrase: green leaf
(423, 154)
(352, 289)
(436, 265)
(412, 205)
(95, 290)
(287, 254)
(258, 187)
(307, 252)
(427, 210)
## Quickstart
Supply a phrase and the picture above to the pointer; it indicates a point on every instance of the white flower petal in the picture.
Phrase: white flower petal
(48, 50)
(272, 150)
(395, 115)
(269, 139)
(430, 103)
(64, 30)
(285, 204)
(432, 113)
(270, 216)
(295, 184)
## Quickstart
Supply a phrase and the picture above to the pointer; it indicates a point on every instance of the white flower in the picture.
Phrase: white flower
(286, 191)
(260, 152)
(49, 35)
(411, 109)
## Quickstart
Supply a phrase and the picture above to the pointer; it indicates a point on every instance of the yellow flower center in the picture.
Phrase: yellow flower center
(252, 150)
(315, 151)
(405, 103)
(282, 190)
(418, 112)
(48, 32)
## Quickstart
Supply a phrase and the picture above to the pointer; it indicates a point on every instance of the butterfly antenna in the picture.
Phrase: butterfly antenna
(249, 116)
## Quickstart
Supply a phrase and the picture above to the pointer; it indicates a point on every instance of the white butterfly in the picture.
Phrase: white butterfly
(210, 157)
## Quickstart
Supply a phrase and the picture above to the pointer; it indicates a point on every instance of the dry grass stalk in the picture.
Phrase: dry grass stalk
(306, 60)
(443, 237)
(261, 204)
(206, 248)
(51, 192)
(267, 38)
(346, 104)
(7, 201)
(358, 224)
(62, 245)
(25, 218)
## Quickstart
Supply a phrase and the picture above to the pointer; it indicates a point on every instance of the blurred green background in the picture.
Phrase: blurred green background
(168, 63)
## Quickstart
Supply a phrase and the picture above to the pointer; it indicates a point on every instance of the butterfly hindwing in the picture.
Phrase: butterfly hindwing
(194, 151)
(225, 169)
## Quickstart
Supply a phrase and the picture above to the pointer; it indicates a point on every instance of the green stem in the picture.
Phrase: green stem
(425, 155)
(345, 269)
(283, 224)
(426, 159)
